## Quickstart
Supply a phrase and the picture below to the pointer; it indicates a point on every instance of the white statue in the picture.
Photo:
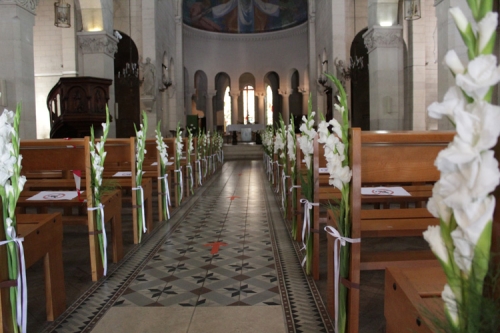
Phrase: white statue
(148, 77)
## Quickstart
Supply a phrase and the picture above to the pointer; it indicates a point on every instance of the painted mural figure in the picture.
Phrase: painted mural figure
(244, 16)
(246, 12)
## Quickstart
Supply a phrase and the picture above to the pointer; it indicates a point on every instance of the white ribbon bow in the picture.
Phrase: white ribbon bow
(190, 174)
(142, 206)
(339, 240)
(199, 171)
(167, 193)
(181, 183)
(22, 289)
(104, 238)
(306, 226)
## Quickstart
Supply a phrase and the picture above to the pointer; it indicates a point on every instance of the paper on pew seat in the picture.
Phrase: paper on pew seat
(125, 174)
(170, 163)
(54, 195)
(394, 190)
(323, 170)
(154, 163)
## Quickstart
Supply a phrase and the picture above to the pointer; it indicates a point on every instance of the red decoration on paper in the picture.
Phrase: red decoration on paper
(233, 197)
(215, 246)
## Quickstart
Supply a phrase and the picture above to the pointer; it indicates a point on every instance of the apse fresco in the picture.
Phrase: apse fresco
(244, 16)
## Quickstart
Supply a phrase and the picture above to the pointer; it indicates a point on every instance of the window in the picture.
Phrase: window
(227, 109)
(269, 105)
(248, 105)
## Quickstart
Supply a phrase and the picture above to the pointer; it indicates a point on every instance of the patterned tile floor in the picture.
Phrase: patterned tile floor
(225, 247)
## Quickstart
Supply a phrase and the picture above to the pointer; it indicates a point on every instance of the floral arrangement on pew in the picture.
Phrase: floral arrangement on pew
(337, 156)
(305, 142)
(190, 149)
(199, 157)
(11, 186)
(469, 173)
(279, 145)
(140, 140)
(219, 145)
(97, 157)
(207, 153)
(267, 143)
(162, 151)
(178, 155)
(292, 160)
(203, 151)
(280, 142)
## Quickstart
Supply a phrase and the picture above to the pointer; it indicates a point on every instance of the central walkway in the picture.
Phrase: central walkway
(223, 263)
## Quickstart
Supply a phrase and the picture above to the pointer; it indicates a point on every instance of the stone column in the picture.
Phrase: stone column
(177, 111)
(313, 56)
(17, 66)
(305, 99)
(285, 106)
(98, 49)
(188, 97)
(234, 107)
(209, 109)
(261, 107)
(385, 51)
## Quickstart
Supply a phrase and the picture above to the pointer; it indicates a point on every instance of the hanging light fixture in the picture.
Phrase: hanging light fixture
(412, 10)
(62, 14)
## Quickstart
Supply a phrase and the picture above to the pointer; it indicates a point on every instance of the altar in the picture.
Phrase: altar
(245, 130)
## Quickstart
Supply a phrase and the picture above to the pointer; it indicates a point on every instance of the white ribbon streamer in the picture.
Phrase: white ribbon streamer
(22, 288)
(191, 174)
(167, 193)
(104, 238)
(339, 240)
(294, 186)
(213, 163)
(181, 183)
(142, 206)
(206, 166)
(199, 171)
(306, 225)
(222, 155)
(271, 173)
(283, 196)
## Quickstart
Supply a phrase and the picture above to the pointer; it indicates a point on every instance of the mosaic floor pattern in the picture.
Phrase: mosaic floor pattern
(226, 246)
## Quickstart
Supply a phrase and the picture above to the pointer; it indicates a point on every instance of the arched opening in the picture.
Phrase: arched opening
(360, 83)
(272, 80)
(269, 105)
(200, 99)
(248, 95)
(295, 99)
(127, 97)
(222, 101)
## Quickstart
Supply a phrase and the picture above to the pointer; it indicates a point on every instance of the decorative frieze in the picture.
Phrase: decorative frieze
(388, 37)
(101, 42)
(29, 5)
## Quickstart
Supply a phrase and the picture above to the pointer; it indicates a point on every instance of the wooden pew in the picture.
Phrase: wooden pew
(386, 159)
(43, 237)
(121, 156)
(60, 154)
(413, 298)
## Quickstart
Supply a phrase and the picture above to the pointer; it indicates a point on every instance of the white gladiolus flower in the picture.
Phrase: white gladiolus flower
(454, 63)
(433, 236)
(323, 131)
(337, 128)
(291, 143)
(487, 27)
(482, 73)
(450, 302)
(437, 207)
(453, 99)
(459, 18)
(474, 218)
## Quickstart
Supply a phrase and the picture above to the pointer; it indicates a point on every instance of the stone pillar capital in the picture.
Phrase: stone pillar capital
(29, 5)
(234, 94)
(210, 93)
(94, 42)
(303, 90)
(260, 94)
(189, 92)
(383, 37)
(284, 92)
